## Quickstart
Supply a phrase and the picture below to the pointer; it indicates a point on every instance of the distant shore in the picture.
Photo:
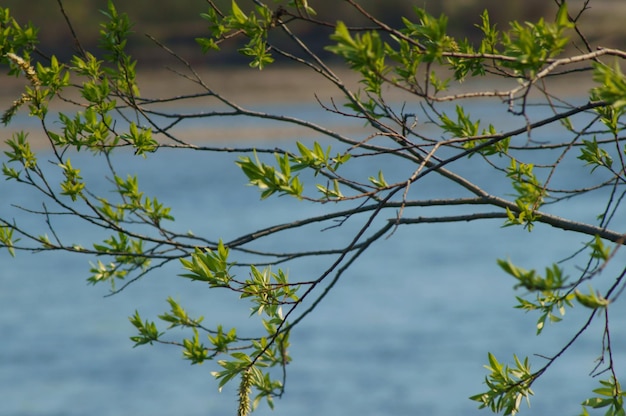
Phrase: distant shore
(251, 87)
(248, 85)
(286, 84)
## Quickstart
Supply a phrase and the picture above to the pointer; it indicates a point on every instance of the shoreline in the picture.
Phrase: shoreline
(251, 87)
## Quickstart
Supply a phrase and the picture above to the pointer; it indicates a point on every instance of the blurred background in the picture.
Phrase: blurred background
(177, 23)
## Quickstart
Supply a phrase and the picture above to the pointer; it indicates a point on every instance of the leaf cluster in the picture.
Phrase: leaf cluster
(508, 386)
(253, 26)
(17, 39)
(364, 53)
(210, 266)
(609, 396)
(530, 194)
(269, 179)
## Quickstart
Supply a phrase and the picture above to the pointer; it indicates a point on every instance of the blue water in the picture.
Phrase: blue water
(405, 332)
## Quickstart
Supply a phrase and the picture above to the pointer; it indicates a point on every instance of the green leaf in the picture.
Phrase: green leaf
(595, 155)
(148, 332)
(612, 84)
(268, 179)
(211, 266)
(592, 300)
(194, 350)
(599, 250)
(6, 239)
(531, 280)
(73, 184)
(20, 152)
(207, 44)
(364, 53)
(562, 19)
(239, 16)
(378, 182)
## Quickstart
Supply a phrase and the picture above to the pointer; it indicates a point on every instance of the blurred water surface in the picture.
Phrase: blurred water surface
(405, 332)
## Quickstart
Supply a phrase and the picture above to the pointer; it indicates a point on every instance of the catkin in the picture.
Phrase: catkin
(245, 388)
(8, 114)
(31, 75)
(26, 67)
